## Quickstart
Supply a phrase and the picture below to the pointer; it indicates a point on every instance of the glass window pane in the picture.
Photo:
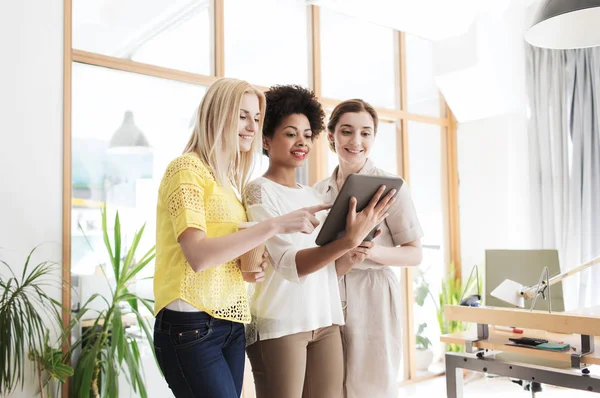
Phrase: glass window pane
(174, 34)
(357, 60)
(422, 93)
(384, 151)
(261, 164)
(266, 41)
(126, 128)
(425, 156)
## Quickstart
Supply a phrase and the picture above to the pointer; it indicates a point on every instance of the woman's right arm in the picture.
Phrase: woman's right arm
(202, 252)
(293, 263)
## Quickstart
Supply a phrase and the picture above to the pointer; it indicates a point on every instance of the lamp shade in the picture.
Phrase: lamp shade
(128, 134)
(566, 24)
(510, 292)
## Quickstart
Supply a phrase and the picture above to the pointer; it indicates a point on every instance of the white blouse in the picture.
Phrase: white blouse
(284, 303)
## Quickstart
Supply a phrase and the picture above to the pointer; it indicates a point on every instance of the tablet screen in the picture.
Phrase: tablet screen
(362, 187)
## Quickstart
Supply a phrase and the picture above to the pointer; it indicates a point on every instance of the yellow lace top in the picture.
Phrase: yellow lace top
(189, 197)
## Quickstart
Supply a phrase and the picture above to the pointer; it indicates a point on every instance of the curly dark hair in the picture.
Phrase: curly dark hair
(285, 100)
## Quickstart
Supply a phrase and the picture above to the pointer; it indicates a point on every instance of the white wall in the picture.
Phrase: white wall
(494, 187)
(493, 159)
(31, 108)
(31, 133)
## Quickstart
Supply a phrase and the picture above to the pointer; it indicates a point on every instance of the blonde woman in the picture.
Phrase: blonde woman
(201, 304)
(372, 333)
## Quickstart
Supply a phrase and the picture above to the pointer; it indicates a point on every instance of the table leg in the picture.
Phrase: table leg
(454, 378)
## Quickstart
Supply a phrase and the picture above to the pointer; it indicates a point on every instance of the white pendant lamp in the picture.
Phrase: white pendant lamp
(566, 24)
(128, 135)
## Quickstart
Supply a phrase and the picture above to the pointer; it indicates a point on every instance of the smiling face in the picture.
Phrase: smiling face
(353, 137)
(248, 121)
(291, 142)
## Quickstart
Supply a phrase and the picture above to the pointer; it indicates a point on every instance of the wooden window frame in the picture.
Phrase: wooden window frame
(317, 163)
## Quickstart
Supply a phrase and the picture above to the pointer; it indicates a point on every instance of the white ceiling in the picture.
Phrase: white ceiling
(430, 19)
(118, 28)
(478, 47)
(115, 28)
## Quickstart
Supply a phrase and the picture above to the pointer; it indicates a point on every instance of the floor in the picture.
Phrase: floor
(477, 385)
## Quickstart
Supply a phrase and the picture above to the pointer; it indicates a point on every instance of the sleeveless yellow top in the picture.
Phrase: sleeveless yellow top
(189, 197)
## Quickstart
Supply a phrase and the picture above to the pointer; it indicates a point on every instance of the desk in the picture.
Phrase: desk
(577, 328)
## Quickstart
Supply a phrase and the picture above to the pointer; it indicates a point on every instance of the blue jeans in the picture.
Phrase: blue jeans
(200, 356)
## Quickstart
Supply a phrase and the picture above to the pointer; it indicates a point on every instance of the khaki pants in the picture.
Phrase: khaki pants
(301, 365)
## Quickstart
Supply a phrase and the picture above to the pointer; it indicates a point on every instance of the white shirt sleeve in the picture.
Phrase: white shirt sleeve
(281, 248)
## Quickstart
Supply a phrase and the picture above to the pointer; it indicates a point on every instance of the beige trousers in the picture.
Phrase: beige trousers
(301, 365)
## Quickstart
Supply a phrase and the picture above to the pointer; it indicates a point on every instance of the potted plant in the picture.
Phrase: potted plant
(51, 367)
(107, 349)
(452, 290)
(424, 355)
(27, 317)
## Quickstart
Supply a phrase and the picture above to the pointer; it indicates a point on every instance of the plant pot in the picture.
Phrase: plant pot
(423, 359)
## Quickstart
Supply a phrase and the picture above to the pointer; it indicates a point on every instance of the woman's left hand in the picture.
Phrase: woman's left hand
(361, 252)
(254, 277)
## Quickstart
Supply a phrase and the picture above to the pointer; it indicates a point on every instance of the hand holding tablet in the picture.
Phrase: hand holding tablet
(360, 224)
(360, 207)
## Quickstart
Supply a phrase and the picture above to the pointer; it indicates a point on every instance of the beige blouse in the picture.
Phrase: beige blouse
(400, 227)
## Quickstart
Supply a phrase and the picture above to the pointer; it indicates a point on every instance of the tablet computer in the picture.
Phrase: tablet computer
(362, 187)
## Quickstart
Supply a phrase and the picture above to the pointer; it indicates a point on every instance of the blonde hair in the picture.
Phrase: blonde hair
(215, 137)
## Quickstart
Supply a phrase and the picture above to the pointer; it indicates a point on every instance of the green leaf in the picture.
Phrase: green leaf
(118, 334)
(131, 299)
(130, 253)
(111, 381)
(421, 294)
(27, 263)
(143, 324)
(84, 371)
(141, 264)
(105, 236)
(150, 252)
(117, 260)
(134, 374)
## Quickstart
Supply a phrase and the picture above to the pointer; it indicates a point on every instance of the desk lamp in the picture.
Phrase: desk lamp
(515, 293)
(474, 300)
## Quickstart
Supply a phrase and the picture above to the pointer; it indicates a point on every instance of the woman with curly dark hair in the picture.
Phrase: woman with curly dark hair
(294, 342)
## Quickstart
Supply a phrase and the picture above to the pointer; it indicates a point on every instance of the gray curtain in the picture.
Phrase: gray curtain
(563, 88)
